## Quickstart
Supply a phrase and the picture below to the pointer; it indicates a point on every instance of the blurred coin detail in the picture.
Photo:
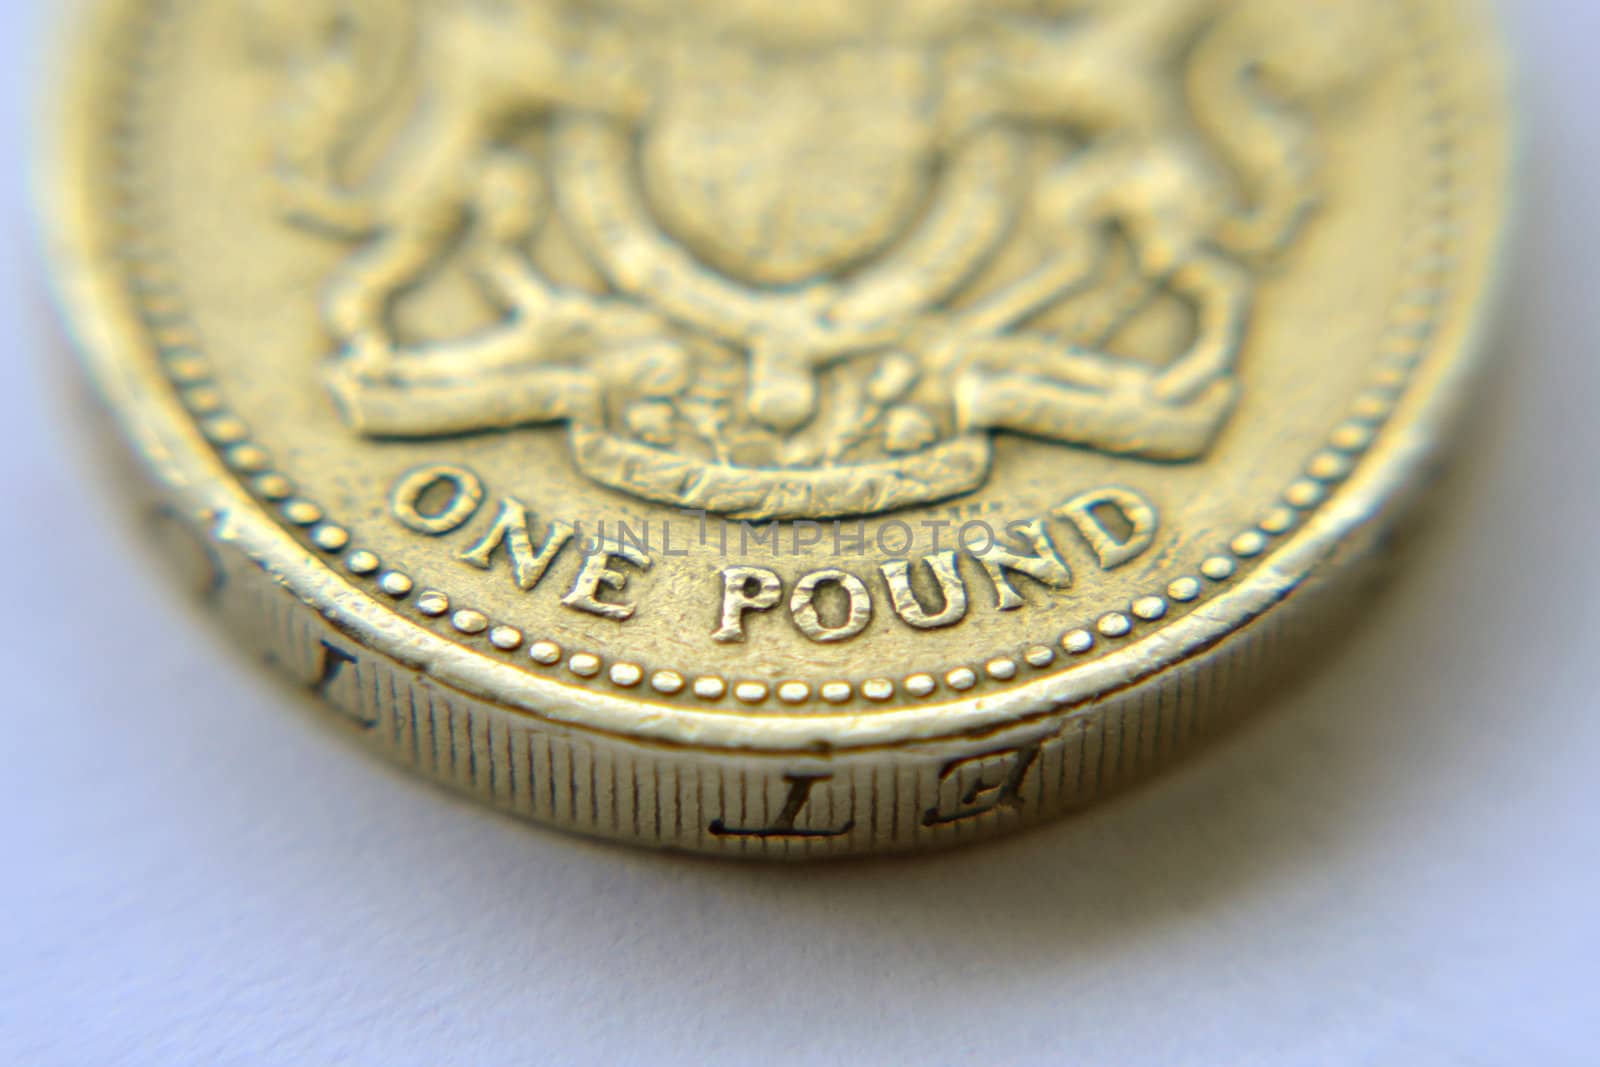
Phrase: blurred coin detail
(782, 429)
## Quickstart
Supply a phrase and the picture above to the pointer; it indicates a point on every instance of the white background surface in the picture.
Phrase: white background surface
(1401, 865)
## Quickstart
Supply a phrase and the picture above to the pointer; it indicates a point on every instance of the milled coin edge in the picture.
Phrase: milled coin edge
(107, 328)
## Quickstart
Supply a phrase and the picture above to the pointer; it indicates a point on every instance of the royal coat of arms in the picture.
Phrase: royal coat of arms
(781, 260)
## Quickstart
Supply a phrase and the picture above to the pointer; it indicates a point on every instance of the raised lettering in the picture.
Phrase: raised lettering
(1132, 534)
(953, 591)
(1045, 565)
(465, 495)
(597, 573)
(513, 529)
(802, 605)
(745, 589)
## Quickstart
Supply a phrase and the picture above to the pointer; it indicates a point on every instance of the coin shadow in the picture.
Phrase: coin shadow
(1280, 804)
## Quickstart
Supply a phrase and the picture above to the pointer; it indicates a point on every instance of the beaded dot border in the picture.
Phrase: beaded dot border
(1413, 327)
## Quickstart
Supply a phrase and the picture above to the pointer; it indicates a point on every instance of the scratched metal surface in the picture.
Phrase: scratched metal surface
(1418, 890)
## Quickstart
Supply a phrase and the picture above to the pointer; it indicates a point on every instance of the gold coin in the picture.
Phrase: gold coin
(781, 429)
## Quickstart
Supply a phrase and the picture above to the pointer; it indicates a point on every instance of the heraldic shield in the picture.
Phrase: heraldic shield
(778, 267)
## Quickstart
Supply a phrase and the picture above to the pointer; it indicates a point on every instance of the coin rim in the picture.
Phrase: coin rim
(120, 356)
